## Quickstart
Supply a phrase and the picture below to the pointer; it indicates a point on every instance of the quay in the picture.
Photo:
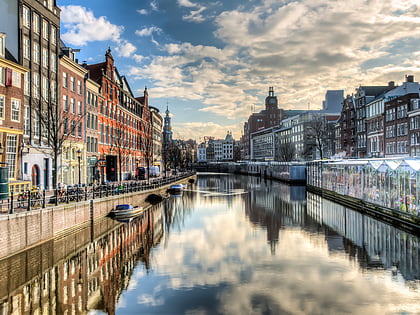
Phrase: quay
(387, 189)
(22, 229)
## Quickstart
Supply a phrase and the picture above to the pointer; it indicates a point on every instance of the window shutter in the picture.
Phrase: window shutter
(9, 77)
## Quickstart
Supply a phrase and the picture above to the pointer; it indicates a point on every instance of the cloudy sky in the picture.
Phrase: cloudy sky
(212, 62)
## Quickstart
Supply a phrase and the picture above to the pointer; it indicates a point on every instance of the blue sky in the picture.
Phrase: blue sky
(212, 62)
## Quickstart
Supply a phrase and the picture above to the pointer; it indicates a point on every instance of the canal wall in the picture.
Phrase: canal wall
(289, 172)
(21, 230)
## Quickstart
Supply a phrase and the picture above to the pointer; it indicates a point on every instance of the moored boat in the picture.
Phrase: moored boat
(124, 211)
(176, 189)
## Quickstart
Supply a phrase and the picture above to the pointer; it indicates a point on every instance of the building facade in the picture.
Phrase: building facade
(72, 133)
(39, 29)
(11, 116)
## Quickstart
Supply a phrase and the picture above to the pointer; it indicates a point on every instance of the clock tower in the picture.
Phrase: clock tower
(271, 99)
(272, 112)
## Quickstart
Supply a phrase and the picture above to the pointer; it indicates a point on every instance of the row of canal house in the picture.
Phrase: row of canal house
(375, 121)
(381, 121)
(62, 121)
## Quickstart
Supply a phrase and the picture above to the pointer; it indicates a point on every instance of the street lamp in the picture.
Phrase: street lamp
(137, 168)
(79, 156)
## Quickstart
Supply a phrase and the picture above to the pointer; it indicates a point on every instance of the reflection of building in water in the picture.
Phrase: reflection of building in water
(272, 204)
(73, 274)
(373, 243)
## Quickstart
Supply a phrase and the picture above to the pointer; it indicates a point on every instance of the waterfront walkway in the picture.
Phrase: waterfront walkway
(38, 199)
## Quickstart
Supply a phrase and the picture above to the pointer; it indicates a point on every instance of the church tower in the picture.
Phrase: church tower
(273, 115)
(167, 129)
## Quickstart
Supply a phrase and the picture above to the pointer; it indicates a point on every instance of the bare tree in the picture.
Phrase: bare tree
(285, 152)
(318, 130)
(146, 145)
(54, 128)
(121, 144)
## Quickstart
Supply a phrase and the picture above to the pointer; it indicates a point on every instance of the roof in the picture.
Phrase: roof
(95, 71)
(9, 56)
(374, 90)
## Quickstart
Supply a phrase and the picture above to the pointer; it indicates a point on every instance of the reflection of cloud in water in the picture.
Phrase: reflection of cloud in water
(298, 280)
(150, 300)
(218, 193)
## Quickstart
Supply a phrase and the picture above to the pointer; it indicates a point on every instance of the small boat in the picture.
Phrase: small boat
(175, 189)
(124, 211)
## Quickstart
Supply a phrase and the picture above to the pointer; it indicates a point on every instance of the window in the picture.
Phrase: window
(26, 48)
(53, 35)
(2, 75)
(72, 84)
(73, 106)
(80, 129)
(45, 87)
(11, 150)
(65, 80)
(26, 17)
(15, 110)
(26, 121)
(36, 53)
(2, 46)
(80, 109)
(16, 79)
(35, 85)
(2, 103)
(45, 29)
(35, 24)
(37, 126)
(65, 126)
(45, 57)
(53, 64)
(65, 103)
(73, 128)
(27, 84)
(53, 91)
(102, 133)
(79, 87)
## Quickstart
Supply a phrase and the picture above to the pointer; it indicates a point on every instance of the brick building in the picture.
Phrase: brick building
(72, 115)
(123, 122)
(11, 111)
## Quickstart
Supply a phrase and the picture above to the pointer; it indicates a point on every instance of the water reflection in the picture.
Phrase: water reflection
(228, 245)
(81, 271)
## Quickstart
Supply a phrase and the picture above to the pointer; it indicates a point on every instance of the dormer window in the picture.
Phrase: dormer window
(2, 45)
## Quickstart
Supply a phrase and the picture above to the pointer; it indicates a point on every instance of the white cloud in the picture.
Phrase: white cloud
(254, 273)
(301, 48)
(148, 31)
(138, 58)
(82, 27)
(195, 16)
(187, 3)
(199, 129)
(143, 12)
(154, 5)
(125, 49)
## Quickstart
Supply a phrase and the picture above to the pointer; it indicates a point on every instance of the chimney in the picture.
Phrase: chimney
(391, 84)
(409, 78)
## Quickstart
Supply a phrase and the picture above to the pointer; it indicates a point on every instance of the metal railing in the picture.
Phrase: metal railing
(36, 198)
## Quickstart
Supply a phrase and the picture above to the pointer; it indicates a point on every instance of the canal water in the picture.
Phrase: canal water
(227, 245)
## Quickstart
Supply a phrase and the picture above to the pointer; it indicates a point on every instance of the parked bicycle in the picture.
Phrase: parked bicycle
(36, 197)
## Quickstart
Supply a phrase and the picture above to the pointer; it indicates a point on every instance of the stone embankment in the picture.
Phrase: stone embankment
(21, 230)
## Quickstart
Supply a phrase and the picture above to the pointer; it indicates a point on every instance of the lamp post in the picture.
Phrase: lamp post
(137, 167)
(79, 156)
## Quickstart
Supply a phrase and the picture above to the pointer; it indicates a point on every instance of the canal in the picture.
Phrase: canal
(228, 245)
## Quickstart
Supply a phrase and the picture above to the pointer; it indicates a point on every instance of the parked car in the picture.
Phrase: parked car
(141, 173)
(154, 171)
